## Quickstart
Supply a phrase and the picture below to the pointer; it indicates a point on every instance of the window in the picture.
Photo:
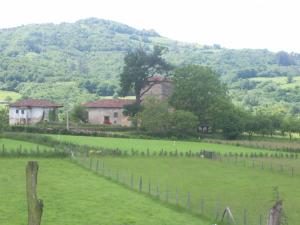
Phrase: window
(17, 111)
(106, 120)
(22, 111)
(115, 115)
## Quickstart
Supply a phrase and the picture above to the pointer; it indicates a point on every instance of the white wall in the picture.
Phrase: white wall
(30, 116)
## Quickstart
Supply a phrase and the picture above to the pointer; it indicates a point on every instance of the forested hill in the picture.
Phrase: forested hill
(75, 62)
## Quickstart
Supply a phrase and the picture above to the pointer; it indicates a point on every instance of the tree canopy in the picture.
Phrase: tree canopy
(139, 67)
(199, 90)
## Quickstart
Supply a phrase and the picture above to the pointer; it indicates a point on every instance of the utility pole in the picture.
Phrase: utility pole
(68, 120)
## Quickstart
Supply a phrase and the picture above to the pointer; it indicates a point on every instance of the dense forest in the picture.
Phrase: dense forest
(76, 62)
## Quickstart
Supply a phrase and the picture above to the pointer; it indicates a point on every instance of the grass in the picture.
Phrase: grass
(236, 186)
(10, 144)
(74, 196)
(13, 95)
(152, 145)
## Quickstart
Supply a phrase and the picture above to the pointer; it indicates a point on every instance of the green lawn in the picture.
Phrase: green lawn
(75, 196)
(152, 145)
(217, 183)
(10, 144)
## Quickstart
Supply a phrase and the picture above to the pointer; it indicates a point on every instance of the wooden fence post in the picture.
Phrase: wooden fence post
(275, 214)
(35, 205)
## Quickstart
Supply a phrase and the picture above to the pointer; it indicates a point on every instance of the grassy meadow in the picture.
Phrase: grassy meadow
(74, 196)
(12, 95)
(214, 182)
(153, 145)
(10, 144)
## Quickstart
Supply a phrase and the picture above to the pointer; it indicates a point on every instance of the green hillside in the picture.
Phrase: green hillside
(72, 62)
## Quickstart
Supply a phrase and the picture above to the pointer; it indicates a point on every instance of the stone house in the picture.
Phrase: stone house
(159, 87)
(108, 111)
(31, 111)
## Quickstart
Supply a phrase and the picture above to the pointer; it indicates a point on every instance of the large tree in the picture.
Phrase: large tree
(199, 90)
(139, 67)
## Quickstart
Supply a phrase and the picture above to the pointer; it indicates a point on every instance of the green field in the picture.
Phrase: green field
(10, 144)
(13, 95)
(215, 182)
(152, 145)
(74, 196)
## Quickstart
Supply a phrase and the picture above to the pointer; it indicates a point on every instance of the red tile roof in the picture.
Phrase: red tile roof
(109, 103)
(35, 103)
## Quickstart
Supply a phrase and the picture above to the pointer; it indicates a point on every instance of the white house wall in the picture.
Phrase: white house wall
(31, 115)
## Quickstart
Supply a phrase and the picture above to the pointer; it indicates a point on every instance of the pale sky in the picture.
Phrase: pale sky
(271, 24)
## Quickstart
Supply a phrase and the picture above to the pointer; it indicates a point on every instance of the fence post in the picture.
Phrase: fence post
(103, 168)
(275, 214)
(131, 181)
(149, 187)
(177, 202)
(292, 171)
(167, 194)
(35, 205)
(188, 201)
(202, 206)
(217, 209)
(260, 220)
(157, 191)
(245, 217)
(91, 163)
(97, 167)
(141, 184)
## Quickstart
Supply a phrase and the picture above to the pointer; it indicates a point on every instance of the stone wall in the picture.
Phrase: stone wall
(116, 117)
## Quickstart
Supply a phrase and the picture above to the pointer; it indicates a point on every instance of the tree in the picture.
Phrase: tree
(264, 123)
(251, 125)
(290, 125)
(233, 122)
(79, 114)
(158, 117)
(198, 89)
(141, 65)
(4, 120)
(183, 123)
(284, 59)
(155, 116)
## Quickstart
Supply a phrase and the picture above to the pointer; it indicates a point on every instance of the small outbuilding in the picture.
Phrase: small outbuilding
(108, 111)
(32, 111)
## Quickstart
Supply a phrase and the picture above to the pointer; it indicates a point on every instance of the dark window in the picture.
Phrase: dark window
(115, 115)
(17, 111)
(22, 111)
(106, 120)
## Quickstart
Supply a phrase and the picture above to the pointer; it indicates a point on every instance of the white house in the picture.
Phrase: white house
(31, 111)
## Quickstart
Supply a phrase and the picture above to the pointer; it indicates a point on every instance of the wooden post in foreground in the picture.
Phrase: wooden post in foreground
(35, 205)
(227, 212)
(275, 214)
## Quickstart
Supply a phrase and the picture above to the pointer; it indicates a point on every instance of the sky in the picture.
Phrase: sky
(266, 24)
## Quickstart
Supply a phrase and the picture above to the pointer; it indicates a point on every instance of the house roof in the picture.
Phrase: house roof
(109, 103)
(35, 103)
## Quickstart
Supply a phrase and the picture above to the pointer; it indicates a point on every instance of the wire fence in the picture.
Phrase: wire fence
(206, 207)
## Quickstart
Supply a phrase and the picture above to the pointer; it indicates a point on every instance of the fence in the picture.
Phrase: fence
(208, 208)
(37, 152)
(254, 161)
